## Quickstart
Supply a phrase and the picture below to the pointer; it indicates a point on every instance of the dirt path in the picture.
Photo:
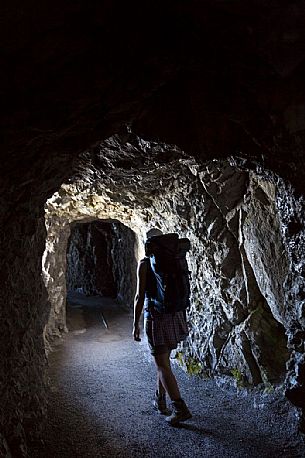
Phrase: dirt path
(100, 403)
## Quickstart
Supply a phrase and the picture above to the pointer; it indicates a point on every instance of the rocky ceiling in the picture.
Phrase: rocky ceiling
(215, 78)
(218, 79)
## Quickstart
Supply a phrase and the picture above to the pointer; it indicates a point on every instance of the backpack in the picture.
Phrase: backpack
(168, 283)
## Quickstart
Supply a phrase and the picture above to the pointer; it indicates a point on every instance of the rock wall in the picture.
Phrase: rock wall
(23, 315)
(292, 211)
(54, 265)
(238, 260)
(246, 232)
(218, 79)
(234, 327)
(125, 255)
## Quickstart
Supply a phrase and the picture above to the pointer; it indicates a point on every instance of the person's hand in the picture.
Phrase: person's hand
(136, 333)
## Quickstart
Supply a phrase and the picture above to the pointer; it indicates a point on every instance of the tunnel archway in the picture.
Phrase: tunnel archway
(88, 255)
(101, 268)
(239, 262)
(249, 104)
(235, 218)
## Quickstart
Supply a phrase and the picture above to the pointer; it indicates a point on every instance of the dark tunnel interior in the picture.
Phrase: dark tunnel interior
(101, 261)
(121, 116)
(89, 260)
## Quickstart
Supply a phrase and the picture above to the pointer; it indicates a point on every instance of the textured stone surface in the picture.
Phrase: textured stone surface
(292, 210)
(54, 265)
(239, 258)
(236, 317)
(124, 255)
(264, 246)
(23, 317)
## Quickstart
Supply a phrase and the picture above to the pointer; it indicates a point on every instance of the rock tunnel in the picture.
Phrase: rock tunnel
(197, 129)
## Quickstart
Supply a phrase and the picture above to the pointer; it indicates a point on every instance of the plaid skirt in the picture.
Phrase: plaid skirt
(166, 330)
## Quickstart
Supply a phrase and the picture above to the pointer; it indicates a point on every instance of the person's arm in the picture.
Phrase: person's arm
(139, 299)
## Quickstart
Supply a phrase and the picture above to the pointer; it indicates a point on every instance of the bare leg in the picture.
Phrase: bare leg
(160, 387)
(166, 377)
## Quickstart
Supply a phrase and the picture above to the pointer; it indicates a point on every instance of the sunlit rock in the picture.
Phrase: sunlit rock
(236, 318)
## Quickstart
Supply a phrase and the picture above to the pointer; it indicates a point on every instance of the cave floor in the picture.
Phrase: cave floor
(100, 405)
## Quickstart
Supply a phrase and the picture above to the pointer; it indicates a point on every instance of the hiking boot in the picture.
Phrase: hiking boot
(159, 403)
(180, 413)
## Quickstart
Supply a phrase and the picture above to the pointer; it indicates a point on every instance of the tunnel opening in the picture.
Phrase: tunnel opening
(218, 79)
(101, 271)
(87, 257)
(102, 260)
(243, 243)
(90, 269)
(238, 258)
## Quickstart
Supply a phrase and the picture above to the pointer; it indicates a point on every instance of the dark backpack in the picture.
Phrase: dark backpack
(168, 283)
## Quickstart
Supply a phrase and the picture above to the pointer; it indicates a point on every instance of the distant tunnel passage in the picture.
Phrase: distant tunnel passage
(90, 267)
(95, 257)
(101, 260)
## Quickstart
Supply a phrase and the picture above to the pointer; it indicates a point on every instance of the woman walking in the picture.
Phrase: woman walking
(164, 331)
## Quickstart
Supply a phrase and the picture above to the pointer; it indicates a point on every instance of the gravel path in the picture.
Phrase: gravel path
(100, 402)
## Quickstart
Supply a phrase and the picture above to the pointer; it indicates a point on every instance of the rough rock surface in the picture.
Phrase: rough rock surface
(23, 317)
(53, 271)
(124, 255)
(238, 259)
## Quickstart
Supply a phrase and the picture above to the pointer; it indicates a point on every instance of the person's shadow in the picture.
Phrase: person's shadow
(198, 429)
